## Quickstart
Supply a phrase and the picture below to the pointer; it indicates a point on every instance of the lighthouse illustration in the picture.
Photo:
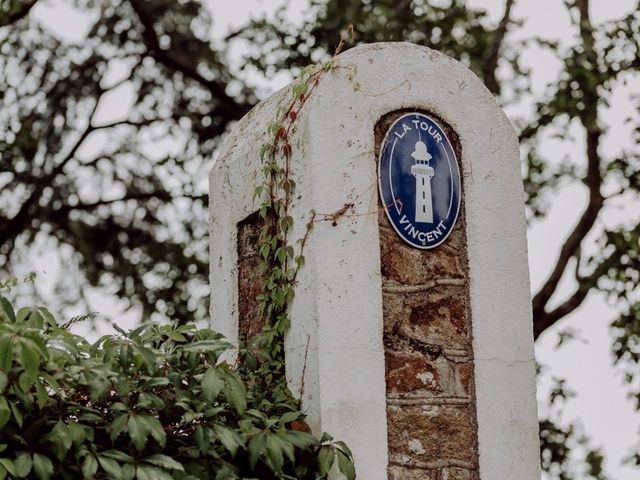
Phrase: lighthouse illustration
(423, 173)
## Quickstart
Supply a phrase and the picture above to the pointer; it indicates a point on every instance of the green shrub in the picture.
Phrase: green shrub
(153, 403)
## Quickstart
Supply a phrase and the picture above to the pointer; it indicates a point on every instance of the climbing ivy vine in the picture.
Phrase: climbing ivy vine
(282, 259)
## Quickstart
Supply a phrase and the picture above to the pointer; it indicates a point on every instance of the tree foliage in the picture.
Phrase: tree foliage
(124, 214)
(156, 403)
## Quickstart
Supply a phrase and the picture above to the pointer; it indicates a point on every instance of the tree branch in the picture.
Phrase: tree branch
(227, 104)
(490, 64)
(140, 196)
(593, 181)
(11, 229)
(21, 9)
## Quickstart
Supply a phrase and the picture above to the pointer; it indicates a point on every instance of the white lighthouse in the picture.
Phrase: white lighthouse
(423, 173)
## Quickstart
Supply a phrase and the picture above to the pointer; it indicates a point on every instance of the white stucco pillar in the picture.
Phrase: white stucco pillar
(336, 336)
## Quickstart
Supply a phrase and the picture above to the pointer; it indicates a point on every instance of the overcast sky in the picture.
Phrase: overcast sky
(601, 405)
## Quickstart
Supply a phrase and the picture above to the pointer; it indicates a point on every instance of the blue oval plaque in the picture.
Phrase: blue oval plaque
(419, 180)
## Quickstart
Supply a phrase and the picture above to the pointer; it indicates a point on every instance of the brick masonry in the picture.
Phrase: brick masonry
(249, 283)
(431, 417)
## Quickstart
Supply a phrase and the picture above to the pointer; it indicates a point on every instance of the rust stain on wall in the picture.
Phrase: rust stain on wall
(431, 416)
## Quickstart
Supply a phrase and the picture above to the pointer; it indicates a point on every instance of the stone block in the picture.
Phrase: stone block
(454, 473)
(410, 372)
(397, 472)
(409, 266)
(438, 316)
(432, 433)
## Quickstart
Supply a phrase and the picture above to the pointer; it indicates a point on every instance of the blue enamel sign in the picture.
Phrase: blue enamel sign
(419, 180)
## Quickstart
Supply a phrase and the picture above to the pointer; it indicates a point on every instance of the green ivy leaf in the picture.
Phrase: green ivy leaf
(6, 309)
(5, 411)
(29, 357)
(257, 446)
(42, 466)
(137, 430)
(154, 428)
(9, 466)
(117, 426)
(164, 461)
(212, 384)
(346, 466)
(275, 452)
(236, 393)
(118, 456)
(89, 466)
(60, 440)
(110, 466)
(151, 473)
(23, 464)
(326, 457)
(17, 414)
(6, 353)
(229, 438)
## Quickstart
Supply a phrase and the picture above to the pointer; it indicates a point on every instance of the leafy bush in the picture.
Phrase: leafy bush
(152, 403)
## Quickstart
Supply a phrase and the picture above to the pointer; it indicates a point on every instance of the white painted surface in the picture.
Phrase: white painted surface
(338, 307)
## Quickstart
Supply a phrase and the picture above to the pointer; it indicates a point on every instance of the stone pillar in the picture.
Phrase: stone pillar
(421, 359)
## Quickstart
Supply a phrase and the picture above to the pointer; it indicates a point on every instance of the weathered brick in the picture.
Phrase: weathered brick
(397, 472)
(432, 433)
(454, 473)
(410, 266)
(438, 316)
(249, 282)
(410, 372)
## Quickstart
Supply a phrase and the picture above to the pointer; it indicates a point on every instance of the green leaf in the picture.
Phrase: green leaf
(229, 438)
(150, 401)
(164, 461)
(118, 456)
(346, 466)
(128, 471)
(257, 446)
(300, 439)
(326, 457)
(289, 417)
(42, 466)
(6, 353)
(148, 358)
(154, 427)
(46, 314)
(344, 448)
(212, 384)
(60, 440)
(156, 382)
(17, 414)
(9, 466)
(76, 432)
(137, 430)
(29, 357)
(41, 394)
(5, 411)
(151, 473)
(110, 466)
(117, 426)
(89, 466)
(275, 452)
(23, 464)
(236, 393)
(7, 310)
